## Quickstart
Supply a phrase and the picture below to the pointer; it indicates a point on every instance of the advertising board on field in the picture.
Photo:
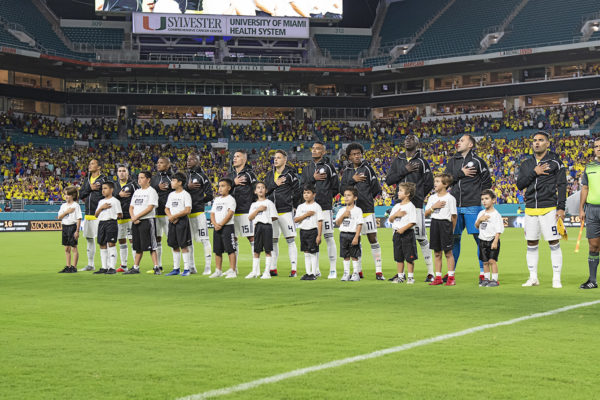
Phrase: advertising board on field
(30, 226)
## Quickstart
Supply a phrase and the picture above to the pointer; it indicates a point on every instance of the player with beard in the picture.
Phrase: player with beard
(161, 182)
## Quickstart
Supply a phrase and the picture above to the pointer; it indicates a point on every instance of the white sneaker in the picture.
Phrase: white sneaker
(206, 271)
(531, 282)
(229, 271)
(231, 275)
(193, 270)
(410, 281)
(86, 268)
(332, 274)
(251, 275)
(355, 278)
(217, 274)
(556, 284)
(266, 275)
(345, 278)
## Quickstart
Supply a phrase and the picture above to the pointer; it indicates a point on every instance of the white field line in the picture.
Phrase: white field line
(337, 363)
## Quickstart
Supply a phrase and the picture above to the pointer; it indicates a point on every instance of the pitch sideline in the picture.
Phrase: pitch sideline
(337, 363)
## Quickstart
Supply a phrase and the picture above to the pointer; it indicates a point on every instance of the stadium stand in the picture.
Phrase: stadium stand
(404, 18)
(108, 38)
(343, 46)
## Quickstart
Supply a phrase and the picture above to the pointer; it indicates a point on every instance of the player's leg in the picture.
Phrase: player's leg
(593, 257)
(460, 226)
(532, 236)
(90, 232)
(330, 242)
(124, 233)
(287, 228)
(421, 236)
(275, 254)
(203, 236)
(550, 232)
(376, 253)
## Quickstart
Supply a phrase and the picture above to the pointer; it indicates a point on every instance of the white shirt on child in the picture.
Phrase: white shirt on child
(409, 218)
(142, 198)
(70, 219)
(221, 207)
(311, 222)
(350, 224)
(177, 202)
(266, 216)
(109, 213)
(489, 228)
(445, 212)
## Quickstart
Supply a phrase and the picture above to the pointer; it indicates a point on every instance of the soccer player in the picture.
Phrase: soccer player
(350, 220)
(410, 166)
(470, 175)
(108, 212)
(161, 182)
(200, 188)
(490, 225)
(543, 178)
(243, 179)
(360, 175)
(143, 229)
(179, 238)
(309, 216)
(262, 214)
(322, 174)
(589, 211)
(403, 218)
(91, 193)
(224, 240)
(70, 216)
(283, 189)
(124, 189)
(441, 207)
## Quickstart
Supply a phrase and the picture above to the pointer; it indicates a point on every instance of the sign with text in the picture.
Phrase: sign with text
(220, 25)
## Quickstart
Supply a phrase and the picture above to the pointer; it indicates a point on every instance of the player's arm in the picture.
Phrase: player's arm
(85, 190)
(304, 216)
(341, 217)
(582, 200)
(495, 241)
(334, 181)
(319, 231)
(64, 214)
(427, 179)
(405, 228)
(375, 186)
(213, 220)
(227, 218)
(561, 186)
(526, 175)
(479, 220)
(396, 174)
(347, 178)
(454, 218)
(100, 208)
(486, 179)
(356, 239)
(253, 213)
(76, 234)
(208, 191)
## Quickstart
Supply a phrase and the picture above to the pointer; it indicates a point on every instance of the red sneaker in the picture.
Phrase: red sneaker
(436, 281)
(481, 278)
(360, 274)
(122, 269)
(445, 278)
(450, 281)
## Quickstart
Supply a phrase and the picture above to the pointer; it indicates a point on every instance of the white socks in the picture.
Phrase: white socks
(274, 254)
(315, 263)
(159, 254)
(176, 259)
(91, 251)
(308, 263)
(123, 254)
(346, 267)
(187, 260)
(293, 252)
(532, 261)
(112, 257)
(376, 251)
(557, 260)
(207, 253)
(331, 252)
(267, 263)
(191, 251)
(104, 258)
(426, 255)
(355, 267)
(256, 266)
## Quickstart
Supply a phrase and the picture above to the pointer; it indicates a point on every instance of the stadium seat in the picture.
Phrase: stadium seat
(343, 46)
(101, 37)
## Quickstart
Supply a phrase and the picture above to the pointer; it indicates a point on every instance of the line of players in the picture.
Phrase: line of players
(542, 176)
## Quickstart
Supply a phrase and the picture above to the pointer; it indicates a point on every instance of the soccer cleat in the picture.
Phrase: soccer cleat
(100, 271)
(231, 275)
(87, 268)
(132, 271)
(65, 270)
(531, 282)
(157, 271)
(429, 278)
(345, 277)
(484, 282)
(304, 277)
(111, 271)
(206, 271)
(311, 277)
(266, 275)
(175, 271)
(332, 274)
(492, 284)
(394, 278)
(122, 268)
(379, 276)
(410, 281)
(355, 278)
(273, 272)
(318, 274)
(193, 270)
(481, 279)
(186, 272)
(73, 269)
(360, 274)
(251, 275)
(445, 278)
(556, 284)
(230, 271)
(293, 274)
(450, 281)
(436, 281)
(589, 285)
(401, 279)
(217, 274)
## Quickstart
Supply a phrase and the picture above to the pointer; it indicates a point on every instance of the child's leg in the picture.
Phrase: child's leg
(410, 267)
(401, 268)
(219, 262)
(486, 270)
(268, 260)
(233, 260)
(154, 255)
(103, 256)
(355, 266)
(449, 262)
(112, 255)
(176, 258)
(256, 264)
(438, 263)
(315, 263)
(188, 257)
(307, 263)
(494, 267)
(68, 255)
(347, 266)
(138, 259)
(75, 254)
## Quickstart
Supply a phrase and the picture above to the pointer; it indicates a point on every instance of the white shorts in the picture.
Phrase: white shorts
(284, 225)
(243, 226)
(327, 216)
(124, 229)
(541, 224)
(90, 228)
(199, 227)
(162, 226)
(420, 230)
(369, 224)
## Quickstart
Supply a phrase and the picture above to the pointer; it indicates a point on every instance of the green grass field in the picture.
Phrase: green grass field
(80, 336)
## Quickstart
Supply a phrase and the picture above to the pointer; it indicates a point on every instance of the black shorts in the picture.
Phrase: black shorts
(224, 240)
(263, 238)
(179, 235)
(405, 247)
(347, 250)
(308, 241)
(441, 235)
(68, 235)
(143, 235)
(108, 232)
(486, 253)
